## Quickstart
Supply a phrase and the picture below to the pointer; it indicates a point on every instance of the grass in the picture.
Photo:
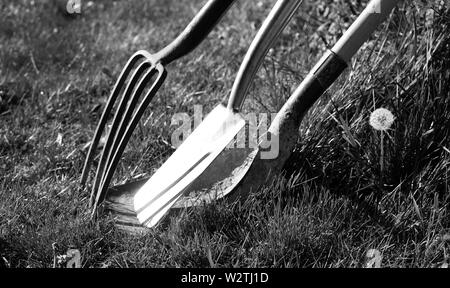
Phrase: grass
(328, 209)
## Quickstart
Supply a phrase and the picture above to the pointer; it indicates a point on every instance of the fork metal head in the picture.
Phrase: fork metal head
(135, 77)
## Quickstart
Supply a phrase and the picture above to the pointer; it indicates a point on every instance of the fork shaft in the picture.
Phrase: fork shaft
(196, 31)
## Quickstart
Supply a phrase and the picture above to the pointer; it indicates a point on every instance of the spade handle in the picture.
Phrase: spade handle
(360, 31)
(327, 70)
(335, 60)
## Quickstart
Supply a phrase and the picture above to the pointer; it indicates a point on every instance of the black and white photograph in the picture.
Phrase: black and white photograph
(243, 136)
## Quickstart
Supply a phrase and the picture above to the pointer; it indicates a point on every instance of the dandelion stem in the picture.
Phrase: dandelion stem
(382, 156)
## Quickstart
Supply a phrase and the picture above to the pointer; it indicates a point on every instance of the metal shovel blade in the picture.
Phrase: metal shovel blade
(218, 180)
(189, 161)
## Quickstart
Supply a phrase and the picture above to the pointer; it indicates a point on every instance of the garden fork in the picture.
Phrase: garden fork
(143, 67)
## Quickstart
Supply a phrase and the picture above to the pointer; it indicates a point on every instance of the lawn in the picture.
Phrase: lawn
(332, 203)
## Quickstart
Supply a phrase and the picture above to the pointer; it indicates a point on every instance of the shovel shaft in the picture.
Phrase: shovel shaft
(274, 24)
(195, 32)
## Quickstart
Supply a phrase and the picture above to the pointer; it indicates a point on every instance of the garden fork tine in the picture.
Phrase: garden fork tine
(145, 71)
(117, 145)
(104, 118)
(191, 37)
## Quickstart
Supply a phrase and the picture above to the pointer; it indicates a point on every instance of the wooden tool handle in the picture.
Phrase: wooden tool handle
(197, 30)
(360, 31)
(331, 65)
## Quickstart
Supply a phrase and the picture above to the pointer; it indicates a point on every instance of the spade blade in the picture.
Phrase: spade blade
(194, 156)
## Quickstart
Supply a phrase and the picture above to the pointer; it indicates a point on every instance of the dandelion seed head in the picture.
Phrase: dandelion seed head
(373, 259)
(381, 119)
